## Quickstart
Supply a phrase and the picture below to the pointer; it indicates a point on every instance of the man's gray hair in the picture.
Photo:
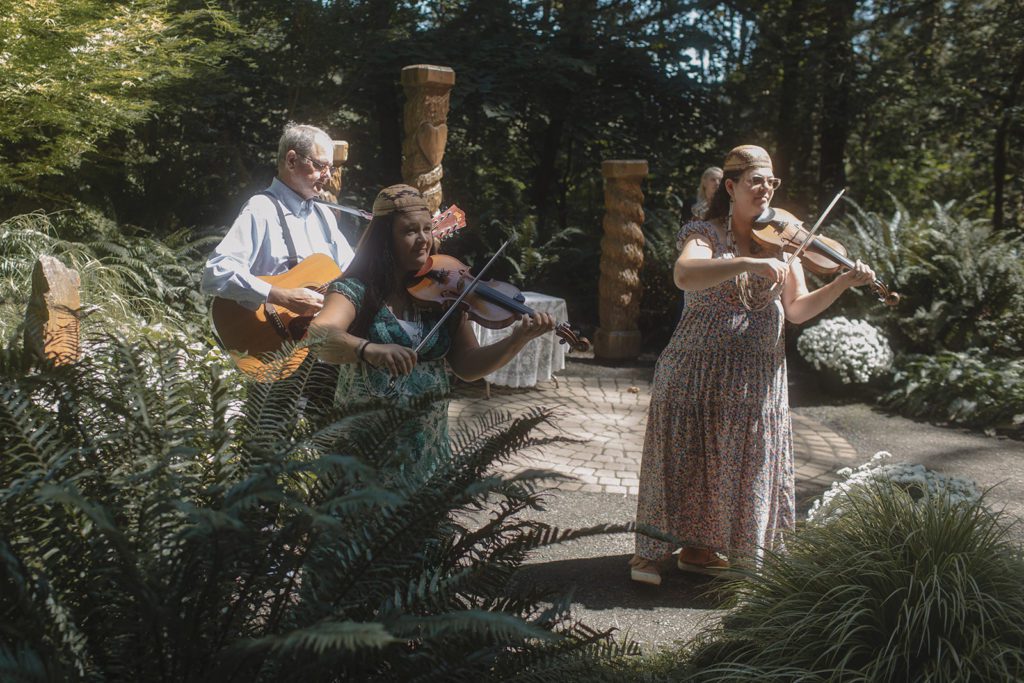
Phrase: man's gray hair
(299, 137)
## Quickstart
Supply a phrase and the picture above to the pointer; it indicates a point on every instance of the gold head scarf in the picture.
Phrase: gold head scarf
(399, 199)
(746, 156)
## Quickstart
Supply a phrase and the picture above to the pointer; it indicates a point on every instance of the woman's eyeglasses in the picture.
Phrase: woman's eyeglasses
(758, 181)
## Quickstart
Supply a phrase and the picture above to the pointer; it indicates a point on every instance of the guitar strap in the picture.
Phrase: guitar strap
(293, 256)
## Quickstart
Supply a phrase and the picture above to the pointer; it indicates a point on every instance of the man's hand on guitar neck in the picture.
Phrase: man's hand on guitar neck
(298, 299)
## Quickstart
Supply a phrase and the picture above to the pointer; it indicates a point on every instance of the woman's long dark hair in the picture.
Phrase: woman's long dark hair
(719, 205)
(374, 266)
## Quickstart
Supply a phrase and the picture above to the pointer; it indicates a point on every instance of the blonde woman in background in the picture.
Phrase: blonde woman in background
(710, 179)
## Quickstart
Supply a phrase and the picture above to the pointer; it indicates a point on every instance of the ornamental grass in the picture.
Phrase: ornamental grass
(891, 590)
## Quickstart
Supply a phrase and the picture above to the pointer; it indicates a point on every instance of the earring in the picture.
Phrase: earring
(728, 228)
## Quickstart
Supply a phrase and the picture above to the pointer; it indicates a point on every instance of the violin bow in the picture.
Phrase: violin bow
(821, 219)
(365, 215)
(810, 235)
(467, 290)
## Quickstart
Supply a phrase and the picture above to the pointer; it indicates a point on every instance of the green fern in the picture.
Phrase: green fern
(961, 283)
(133, 280)
(155, 527)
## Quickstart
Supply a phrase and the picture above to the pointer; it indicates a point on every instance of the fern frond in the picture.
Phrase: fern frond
(322, 638)
(495, 627)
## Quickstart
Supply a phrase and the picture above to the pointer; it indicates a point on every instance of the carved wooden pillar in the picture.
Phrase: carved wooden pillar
(622, 257)
(332, 189)
(427, 89)
(52, 315)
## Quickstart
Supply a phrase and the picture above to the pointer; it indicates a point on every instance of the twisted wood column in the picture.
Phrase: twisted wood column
(622, 257)
(427, 89)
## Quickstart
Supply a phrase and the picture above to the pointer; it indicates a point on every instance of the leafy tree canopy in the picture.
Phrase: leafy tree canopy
(74, 72)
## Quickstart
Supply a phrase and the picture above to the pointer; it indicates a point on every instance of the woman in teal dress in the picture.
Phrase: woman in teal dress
(371, 326)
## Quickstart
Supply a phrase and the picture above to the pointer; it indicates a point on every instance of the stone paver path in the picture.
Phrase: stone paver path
(606, 416)
(605, 408)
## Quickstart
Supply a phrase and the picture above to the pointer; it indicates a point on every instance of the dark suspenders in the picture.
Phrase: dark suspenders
(293, 260)
(293, 256)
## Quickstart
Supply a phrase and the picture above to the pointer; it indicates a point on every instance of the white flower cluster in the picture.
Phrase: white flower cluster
(854, 349)
(920, 481)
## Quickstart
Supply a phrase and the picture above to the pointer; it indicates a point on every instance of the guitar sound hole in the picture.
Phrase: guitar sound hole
(298, 327)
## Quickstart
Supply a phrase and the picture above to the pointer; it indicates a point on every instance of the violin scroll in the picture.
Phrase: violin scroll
(570, 337)
(885, 295)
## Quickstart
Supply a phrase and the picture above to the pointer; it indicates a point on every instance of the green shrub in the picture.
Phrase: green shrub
(891, 590)
(975, 388)
(958, 330)
(126, 279)
(961, 283)
(661, 300)
(151, 528)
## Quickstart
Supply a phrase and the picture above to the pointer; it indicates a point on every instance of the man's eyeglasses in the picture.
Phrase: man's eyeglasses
(320, 166)
(758, 181)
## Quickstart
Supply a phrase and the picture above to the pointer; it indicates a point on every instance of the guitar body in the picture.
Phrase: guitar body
(254, 338)
(249, 336)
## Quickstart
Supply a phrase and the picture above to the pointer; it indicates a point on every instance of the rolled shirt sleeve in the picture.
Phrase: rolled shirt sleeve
(228, 271)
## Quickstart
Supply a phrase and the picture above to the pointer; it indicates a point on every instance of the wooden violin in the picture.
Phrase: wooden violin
(782, 230)
(491, 304)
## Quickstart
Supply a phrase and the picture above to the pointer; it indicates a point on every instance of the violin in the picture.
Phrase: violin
(491, 304)
(822, 255)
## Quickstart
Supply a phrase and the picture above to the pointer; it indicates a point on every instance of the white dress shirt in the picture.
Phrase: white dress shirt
(255, 245)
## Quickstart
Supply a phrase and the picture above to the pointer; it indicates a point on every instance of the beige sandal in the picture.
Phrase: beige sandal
(710, 564)
(643, 570)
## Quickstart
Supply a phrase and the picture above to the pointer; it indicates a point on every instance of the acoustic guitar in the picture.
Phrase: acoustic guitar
(258, 341)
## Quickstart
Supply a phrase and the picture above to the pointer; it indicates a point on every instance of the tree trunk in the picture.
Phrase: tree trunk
(1000, 145)
(787, 130)
(837, 86)
(576, 17)
(546, 173)
(386, 103)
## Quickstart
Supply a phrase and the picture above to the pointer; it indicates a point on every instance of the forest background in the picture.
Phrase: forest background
(132, 131)
(158, 118)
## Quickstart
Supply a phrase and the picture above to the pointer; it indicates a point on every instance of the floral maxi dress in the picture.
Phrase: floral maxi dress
(717, 468)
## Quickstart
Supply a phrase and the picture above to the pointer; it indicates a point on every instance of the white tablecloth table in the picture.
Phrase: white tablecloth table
(540, 358)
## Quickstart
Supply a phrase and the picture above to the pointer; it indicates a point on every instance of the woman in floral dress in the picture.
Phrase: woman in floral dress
(372, 325)
(717, 469)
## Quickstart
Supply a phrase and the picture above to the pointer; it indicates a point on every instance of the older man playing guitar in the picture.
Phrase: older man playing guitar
(275, 231)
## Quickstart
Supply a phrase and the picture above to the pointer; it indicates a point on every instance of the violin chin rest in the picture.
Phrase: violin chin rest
(767, 216)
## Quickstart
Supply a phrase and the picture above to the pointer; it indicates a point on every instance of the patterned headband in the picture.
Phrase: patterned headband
(746, 156)
(398, 199)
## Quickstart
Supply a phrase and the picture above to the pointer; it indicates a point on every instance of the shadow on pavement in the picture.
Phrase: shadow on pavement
(603, 583)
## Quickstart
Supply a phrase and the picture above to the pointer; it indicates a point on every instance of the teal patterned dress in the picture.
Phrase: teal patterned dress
(359, 383)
